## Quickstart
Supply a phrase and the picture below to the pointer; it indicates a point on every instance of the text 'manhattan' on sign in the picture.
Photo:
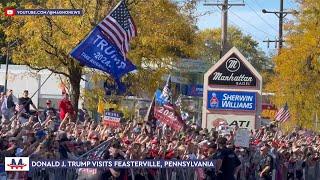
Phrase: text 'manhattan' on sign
(232, 72)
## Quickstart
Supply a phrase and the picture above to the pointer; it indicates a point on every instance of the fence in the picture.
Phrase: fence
(310, 171)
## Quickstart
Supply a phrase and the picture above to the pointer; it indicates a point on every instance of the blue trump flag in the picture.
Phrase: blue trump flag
(159, 98)
(96, 51)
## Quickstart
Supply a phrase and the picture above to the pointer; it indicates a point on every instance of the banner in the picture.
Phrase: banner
(269, 111)
(167, 113)
(96, 51)
(242, 138)
(169, 116)
(226, 100)
(112, 118)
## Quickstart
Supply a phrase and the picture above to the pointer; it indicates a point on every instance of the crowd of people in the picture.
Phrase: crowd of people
(59, 134)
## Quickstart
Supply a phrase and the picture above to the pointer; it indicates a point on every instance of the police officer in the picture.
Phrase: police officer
(212, 155)
(227, 164)
(265, 166)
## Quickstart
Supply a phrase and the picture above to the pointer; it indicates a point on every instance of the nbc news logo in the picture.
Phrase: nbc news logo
(16, 163)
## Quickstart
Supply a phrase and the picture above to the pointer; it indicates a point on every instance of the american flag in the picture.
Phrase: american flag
(166, 92)
(283, 114)
(119, 27)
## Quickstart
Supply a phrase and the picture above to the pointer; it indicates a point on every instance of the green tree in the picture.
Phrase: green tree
(209, 45)
(297, 68)
(161, 42)
(164, 33)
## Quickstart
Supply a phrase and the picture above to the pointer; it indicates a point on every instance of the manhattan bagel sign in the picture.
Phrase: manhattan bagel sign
(232, 90)
(233, 72)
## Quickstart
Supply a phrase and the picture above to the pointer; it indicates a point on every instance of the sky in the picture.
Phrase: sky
(248, 18)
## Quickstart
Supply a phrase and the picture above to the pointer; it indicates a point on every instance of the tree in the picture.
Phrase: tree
(297, 68)
(46, 41)
(167, 34)
(209, 44)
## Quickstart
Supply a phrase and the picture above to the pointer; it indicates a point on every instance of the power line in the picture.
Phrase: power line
(255, 27)
(255, 37)
(256, 2)
(261, 17)
(235, 24)
(225, 5)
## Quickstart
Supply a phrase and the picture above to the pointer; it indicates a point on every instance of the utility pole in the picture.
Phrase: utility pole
(281, 24)
(7, 65)
(268, 41)
(224, 22)
(280, 14)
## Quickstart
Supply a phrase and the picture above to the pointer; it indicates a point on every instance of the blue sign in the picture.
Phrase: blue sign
(195, 90)
(226, 100)
(97, 52)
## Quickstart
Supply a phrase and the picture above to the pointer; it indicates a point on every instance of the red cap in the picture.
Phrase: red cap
(154, 141)
(127, 141)
(153, 153)
(169, 154)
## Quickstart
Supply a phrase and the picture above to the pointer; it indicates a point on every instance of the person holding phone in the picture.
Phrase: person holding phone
(49, 110)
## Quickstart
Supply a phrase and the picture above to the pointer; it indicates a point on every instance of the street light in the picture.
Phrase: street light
(280, 14)
(7, 64)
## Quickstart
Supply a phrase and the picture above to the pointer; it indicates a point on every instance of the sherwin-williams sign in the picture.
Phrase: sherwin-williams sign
(226, 100)
(232, 72)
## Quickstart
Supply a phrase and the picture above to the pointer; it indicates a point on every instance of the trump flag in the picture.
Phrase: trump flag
(96, 51)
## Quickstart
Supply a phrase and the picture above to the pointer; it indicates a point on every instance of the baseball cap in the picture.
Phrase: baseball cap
(222, 140)
(115, 144)
(212, 145)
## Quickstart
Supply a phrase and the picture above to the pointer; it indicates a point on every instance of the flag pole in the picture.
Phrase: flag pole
(150, 110)
(316, 119)
(95, 148)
